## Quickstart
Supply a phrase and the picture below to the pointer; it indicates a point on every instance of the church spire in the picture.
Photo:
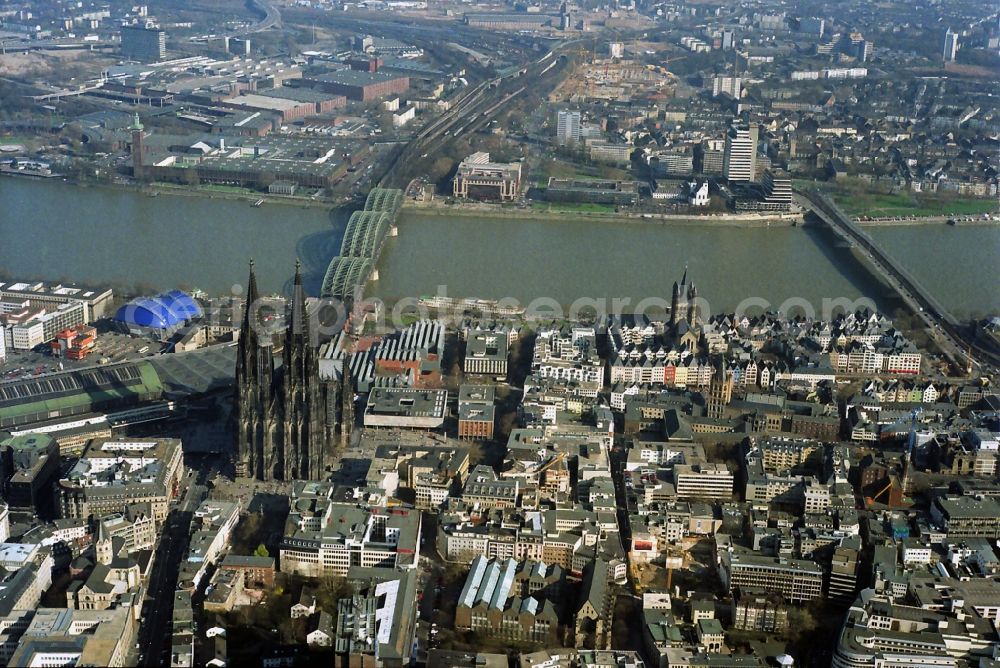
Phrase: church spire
(298, 322)
(304, 436)
(103, 547)
(692, 307)
(248, 329)
(253, 385)
(252, 284)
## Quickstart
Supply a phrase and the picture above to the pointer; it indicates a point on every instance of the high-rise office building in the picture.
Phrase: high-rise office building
(950, 46)
(777, 190)
(863, 50)
(565, 17)
(568, 127)
(797, 580)
(238, 46)
(144, 43)
(713, 155)
(728, 40)
(812, 25)
(740, 160)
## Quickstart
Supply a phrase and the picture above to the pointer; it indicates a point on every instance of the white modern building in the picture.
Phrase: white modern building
(950, 46)
(740, 160)
(354, 536)
(706, 481)
(568, 128)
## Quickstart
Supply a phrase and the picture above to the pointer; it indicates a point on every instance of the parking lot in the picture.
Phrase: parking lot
(111, 346)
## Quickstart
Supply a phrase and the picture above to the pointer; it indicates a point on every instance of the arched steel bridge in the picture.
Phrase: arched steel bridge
(364, 233)
(384, 199)
(363, 239)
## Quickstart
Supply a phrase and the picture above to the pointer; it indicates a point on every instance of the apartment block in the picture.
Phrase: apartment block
(798, 580)
(115, 473)
(706, 480)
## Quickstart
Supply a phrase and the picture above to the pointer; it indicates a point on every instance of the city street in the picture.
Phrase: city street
(154, 634)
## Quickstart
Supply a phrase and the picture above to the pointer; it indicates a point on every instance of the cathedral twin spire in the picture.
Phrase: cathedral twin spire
(281, 426)
(298, 320)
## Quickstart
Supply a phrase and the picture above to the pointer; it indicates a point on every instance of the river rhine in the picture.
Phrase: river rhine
(56, 231)
(567, 259)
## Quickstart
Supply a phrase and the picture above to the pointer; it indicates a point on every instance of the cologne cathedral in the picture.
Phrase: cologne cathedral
(286, 416)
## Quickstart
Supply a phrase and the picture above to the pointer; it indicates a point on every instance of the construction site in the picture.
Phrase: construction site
(613, 80)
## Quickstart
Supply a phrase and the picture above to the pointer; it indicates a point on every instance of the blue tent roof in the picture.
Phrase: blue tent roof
(161, 312)
(182, 304)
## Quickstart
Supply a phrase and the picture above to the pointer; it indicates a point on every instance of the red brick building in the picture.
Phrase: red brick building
(257, 571)
(358, 86)
(288, 103)
(365, 64)
(475, 421)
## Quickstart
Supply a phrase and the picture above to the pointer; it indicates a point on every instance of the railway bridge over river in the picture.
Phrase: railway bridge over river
(364, 237)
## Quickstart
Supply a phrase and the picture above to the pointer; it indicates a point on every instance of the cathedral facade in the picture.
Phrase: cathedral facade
(685, 326)
(286, 416)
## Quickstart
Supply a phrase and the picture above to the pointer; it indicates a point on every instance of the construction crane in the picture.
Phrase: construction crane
(636, 584)
(552, 462)
(870, 500)
(587, 56)
(912, 438)
(911, 445)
